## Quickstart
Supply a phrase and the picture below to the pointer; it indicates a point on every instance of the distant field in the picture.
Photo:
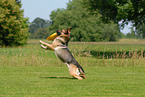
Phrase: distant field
(112, 69)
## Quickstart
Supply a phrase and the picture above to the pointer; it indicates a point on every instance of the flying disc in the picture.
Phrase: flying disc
(52, 37)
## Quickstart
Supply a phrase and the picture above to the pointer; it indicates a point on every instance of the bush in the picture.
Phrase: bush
(13, 26)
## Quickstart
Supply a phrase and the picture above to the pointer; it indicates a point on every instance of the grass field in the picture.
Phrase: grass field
(113, 69)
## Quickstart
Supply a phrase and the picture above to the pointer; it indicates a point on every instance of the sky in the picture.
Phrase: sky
(43, 8)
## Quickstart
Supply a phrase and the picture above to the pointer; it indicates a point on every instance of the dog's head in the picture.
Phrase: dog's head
(63, 31)
(59, 33)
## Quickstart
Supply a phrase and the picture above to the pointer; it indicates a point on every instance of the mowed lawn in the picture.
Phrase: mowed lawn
(34, 72)
(56, 81)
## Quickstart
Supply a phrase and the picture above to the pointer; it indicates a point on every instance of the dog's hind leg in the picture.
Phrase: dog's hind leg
(73, 70)
(82, 74)
(47, 47)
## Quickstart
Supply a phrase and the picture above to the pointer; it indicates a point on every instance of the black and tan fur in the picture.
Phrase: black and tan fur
(59, 46)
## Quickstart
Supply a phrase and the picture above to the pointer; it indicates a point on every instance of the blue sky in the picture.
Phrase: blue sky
(43, 8)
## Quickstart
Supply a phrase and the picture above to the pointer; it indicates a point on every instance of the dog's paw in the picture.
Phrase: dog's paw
(40, 41)
(44, 47)
(80, 78)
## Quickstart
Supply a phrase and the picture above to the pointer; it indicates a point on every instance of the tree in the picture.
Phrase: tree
(38, 28)
(86, 27)
(110, 32)
(38, 23)
(131, 35)
(13, 26)
(106, 8)
(140, 30)
(117, 10)
(41, 33)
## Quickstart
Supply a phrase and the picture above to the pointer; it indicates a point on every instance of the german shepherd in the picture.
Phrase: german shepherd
(59, 46)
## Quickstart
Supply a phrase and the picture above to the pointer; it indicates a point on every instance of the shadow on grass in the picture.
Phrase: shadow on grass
(57, 77)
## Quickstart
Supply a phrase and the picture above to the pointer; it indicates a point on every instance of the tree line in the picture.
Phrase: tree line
(86, 26)
(91, 20)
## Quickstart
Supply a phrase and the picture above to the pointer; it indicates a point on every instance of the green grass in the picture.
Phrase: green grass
(55, 81)
(34, 72)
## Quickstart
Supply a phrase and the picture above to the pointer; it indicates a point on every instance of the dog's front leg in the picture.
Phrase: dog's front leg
(44, 47)
(47, 47)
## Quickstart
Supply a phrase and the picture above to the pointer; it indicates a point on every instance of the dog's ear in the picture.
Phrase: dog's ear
(68, 30)
(58, 32)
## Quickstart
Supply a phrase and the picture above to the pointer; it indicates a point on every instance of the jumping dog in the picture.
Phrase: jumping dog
(59, 46)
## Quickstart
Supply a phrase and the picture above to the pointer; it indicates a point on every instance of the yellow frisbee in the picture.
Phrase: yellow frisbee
(52, 37)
